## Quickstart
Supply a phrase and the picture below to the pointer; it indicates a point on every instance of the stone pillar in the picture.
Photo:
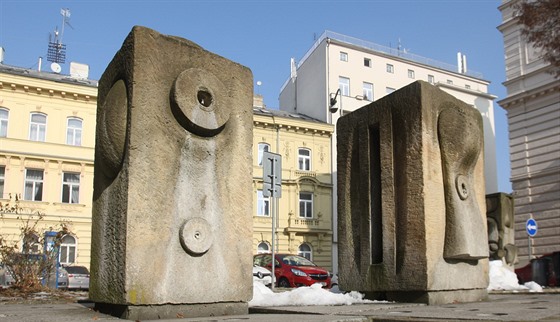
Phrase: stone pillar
(412, 216)
(501, 228)
(172, 222)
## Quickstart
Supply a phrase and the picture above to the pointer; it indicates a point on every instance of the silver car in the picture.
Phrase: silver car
(78, 277)
(6, 279)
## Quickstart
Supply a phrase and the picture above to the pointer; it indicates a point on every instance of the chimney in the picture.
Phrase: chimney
(1, 55)
(258, 101)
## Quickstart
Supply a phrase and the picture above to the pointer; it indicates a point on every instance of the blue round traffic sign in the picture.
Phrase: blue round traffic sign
(531, 227)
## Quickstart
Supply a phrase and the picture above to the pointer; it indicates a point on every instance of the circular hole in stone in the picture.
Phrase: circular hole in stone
(204, 98)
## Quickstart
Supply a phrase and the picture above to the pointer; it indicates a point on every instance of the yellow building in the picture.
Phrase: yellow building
(47, 139)
(304, 212)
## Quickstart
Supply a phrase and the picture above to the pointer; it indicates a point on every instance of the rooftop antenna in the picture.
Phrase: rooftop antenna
(57, 50)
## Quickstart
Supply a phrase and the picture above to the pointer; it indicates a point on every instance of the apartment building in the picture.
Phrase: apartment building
(47, 138)
(533, 112)
(351, 72)
(303, 214)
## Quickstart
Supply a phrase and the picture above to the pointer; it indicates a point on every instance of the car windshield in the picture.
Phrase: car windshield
(294, 260)
(76, 270)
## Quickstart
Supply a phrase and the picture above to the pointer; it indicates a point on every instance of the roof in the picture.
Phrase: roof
(284, 114)
(8, 69)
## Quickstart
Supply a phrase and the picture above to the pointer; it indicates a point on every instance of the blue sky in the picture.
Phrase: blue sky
(264, 34)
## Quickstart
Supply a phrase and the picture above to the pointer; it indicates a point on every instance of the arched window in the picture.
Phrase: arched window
(304, 250)
(304, 159)
(37, 127)
(262, 148)
(4, 114)
(263, 248)
(67, 254)
(74, 131)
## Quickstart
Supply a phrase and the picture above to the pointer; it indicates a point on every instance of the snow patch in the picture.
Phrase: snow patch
(501, 278)
(304, 296)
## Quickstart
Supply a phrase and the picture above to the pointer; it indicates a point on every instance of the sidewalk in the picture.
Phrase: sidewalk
(500, 307)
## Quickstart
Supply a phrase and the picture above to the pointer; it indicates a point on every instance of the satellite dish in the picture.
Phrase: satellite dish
(259, 83)
(56, 68)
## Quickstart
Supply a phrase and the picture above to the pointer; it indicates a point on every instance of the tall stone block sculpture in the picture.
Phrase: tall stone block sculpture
(501, 228)
(172, 222)
(411, 209)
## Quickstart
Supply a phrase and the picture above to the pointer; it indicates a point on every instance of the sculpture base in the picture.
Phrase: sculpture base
(431, 297)
(172, 311)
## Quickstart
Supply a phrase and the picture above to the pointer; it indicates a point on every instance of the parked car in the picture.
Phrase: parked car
(544, 270)
(6, 279)
(293, 270)
(62, 280)
(78, 277)
(262, 275)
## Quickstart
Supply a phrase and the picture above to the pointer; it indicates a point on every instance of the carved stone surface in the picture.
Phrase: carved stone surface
(501, 228)
(172, 201)
(411, 197)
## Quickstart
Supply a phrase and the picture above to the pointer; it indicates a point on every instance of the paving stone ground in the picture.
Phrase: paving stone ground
(501, 306)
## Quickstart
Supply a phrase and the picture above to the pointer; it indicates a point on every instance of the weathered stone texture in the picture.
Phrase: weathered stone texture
(172, 189)
(411, 198)
(501, 228)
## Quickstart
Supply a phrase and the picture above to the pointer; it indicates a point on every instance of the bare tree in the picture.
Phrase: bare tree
(540, 20)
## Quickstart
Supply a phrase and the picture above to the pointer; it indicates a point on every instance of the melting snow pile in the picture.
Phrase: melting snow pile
(304, 296)
(502, 278)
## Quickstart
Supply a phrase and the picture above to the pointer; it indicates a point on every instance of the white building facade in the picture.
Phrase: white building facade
(364, 72)
(533, 111)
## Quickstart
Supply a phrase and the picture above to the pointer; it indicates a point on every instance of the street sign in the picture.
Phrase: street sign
(272, 174)
(531, 227)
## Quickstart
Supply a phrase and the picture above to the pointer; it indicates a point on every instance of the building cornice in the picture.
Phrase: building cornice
(520, 97)
(22, 85)
(466, 90)
(293, 125)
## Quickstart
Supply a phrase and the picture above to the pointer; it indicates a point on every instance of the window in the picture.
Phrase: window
(368, 91)
(4, 122)
(343, 56)
(410, 73)
(390, 68)
(306, 205)
(431, 79)
(74, 132)
(304, 159)
(389, 90)
(263, 204)
(2, 176)
(37, 127)
(262, 148)
(367, 62)
(344, 86)
(30, 244)
(467, 86)
(263, 248)
(71, 187)
(33, 185)
(304, 250)
(67, 252)
(450, 82)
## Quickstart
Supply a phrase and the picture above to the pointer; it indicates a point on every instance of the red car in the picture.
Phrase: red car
(294, 270)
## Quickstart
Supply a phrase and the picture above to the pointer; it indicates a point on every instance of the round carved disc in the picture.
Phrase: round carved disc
(196, 236)
(198, 102)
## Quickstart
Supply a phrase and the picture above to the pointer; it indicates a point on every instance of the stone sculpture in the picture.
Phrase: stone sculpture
(411, 209)
(501, 228)
(172, 222)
